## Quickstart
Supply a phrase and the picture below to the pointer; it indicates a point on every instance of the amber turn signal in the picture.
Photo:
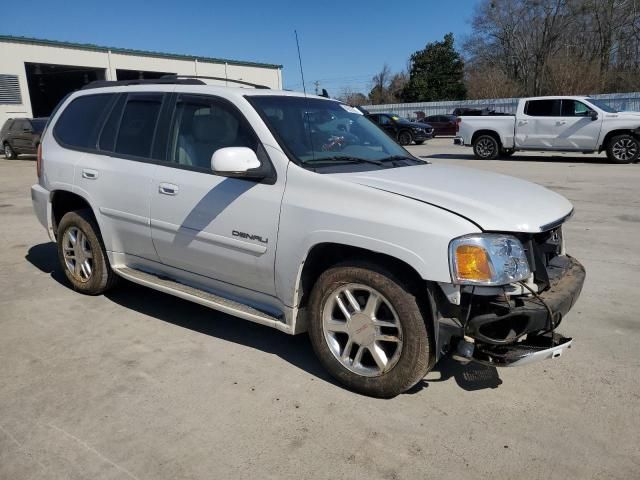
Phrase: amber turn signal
(472, 263)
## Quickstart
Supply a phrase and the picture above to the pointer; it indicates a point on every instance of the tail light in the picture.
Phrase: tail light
(39, 161)
(458, 120)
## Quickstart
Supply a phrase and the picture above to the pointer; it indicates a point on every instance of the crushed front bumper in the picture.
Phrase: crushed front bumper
(510, 331)
(502, 321)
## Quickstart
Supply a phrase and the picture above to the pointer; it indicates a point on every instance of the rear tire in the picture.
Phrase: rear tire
(486, 147)
(623, 149)
(82, 254)
(9, 152)
(382, 347)
(405, 138)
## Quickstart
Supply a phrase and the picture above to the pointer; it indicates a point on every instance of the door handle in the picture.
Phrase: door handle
(524, 122)
(89, 174)
(561, 122)
(168, 189)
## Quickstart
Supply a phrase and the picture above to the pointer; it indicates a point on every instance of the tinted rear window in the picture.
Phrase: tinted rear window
(38, 125)
(138, 124)
(542, 108)
(80, 122)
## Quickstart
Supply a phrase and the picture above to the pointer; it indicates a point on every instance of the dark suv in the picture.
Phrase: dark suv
(21, 135)
(442, 124)
(404, 131)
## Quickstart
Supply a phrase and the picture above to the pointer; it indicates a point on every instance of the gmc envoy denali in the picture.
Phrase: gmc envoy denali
(299, 213)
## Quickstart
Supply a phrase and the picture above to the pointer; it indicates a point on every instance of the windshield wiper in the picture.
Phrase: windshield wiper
(340, 159)
(392, 158)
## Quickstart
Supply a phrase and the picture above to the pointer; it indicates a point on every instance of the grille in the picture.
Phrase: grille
(543, 252)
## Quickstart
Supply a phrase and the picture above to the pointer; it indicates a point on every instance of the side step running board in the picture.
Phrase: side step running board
(201, 297)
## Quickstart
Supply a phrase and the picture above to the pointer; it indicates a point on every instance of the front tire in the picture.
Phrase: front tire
(486, 147)
(405, 138)
(82, 254)
(368, 330)
(9, 152)
(623, 149)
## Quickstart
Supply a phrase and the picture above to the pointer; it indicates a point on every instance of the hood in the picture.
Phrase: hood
(624, 114)
(492, 201)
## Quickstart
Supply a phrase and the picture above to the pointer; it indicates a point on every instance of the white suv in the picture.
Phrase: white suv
(301, 214)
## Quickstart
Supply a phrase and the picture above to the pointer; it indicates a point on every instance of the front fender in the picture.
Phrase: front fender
(321, 208)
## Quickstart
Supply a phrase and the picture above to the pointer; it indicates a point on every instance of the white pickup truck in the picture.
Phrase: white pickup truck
(565, 124)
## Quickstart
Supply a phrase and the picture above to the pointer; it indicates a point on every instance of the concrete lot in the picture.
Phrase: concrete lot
(141, 385)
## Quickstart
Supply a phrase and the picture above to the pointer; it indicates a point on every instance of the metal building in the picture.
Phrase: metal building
(36, 74)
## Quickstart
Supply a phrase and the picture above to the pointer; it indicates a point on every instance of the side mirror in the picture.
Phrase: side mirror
(239, 162)
(594, 115)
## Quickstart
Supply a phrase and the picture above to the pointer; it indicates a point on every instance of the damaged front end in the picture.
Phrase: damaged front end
(514, 324)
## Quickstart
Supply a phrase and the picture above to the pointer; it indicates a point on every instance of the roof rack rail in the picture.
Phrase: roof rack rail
(144, 81)
(222, 79)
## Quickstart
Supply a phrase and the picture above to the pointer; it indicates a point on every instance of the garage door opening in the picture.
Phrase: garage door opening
(122, 74)
(48, 83)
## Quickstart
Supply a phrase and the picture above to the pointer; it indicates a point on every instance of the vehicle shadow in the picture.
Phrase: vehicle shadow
(522, 158)
(295, 350)
(470, 377)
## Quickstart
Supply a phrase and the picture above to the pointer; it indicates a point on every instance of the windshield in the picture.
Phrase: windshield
(602, 105)
(318, 131)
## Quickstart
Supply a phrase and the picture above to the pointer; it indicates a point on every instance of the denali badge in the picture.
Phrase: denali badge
(236, 233)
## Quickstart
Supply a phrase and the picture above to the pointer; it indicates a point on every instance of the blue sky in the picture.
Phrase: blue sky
(343, 43)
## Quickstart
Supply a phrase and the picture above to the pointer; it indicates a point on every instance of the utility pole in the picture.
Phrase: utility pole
(317, 84)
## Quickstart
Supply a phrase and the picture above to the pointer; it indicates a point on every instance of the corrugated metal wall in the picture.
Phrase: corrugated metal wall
(619, 101)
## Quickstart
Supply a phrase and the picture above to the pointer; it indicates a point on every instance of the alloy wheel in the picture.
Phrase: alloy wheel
(625, 149)
(486, 147)
(362, 329)
(78, 256)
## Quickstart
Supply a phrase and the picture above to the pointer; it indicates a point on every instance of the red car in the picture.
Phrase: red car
(442, 124)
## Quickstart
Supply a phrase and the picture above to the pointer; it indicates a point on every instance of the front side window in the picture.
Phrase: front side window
(79, 123)
(384, 120)
(138, 124)
(574, 108)
(317, 132)
(542, 108)
(201, 126)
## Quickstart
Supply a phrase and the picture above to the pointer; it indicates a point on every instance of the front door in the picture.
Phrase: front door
(576, 129)
(219, 227)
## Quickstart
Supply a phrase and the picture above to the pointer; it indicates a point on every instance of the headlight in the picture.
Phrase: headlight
(487, 259)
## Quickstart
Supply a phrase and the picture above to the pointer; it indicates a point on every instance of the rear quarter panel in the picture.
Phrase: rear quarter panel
(504, 126)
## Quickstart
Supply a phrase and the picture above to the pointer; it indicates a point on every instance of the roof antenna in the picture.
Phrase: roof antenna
(304, 88)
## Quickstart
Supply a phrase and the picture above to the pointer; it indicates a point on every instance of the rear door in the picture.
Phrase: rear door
(537, 126)
(387, 124)
(218, 227)
(21, 136)
(116, 172)
(576, 130)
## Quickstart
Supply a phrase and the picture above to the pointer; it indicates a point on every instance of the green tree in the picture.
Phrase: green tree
(436, 73)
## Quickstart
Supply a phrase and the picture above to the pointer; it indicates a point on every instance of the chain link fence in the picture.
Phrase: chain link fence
(619, 101)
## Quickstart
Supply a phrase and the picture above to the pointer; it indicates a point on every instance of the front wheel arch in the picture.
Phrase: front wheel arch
(324, 256)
